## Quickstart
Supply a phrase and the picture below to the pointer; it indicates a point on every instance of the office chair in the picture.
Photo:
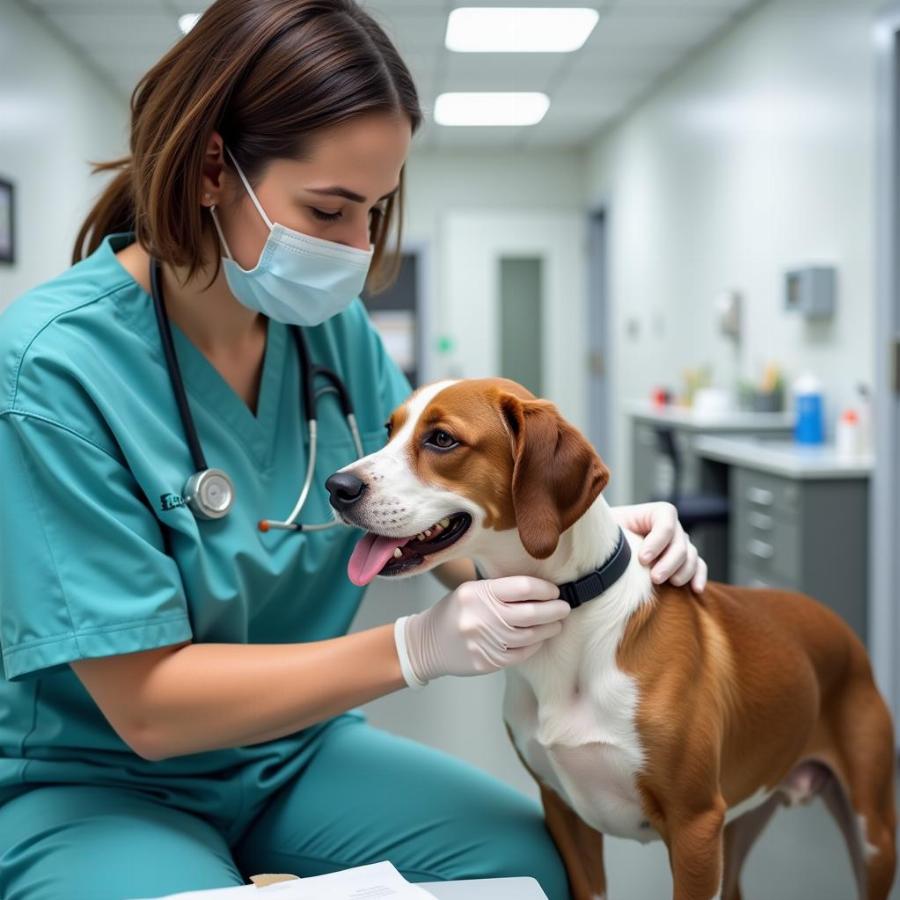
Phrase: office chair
(694, 510)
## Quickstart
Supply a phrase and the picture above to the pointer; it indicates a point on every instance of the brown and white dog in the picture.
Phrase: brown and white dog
(656, 713)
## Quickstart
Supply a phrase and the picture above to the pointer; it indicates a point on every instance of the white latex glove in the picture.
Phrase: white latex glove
(480, 627)
(666, 545)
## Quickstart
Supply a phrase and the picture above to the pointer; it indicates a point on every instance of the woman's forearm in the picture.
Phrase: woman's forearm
(210, 696)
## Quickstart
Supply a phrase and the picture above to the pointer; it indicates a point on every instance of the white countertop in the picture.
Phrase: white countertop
(686, 417)
(783, 457)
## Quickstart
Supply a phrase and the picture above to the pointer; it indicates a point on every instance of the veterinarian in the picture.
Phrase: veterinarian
(178, 709)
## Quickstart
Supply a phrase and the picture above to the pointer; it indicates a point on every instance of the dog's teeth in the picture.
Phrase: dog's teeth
(398, 553)
(420, 536)
(444, 523)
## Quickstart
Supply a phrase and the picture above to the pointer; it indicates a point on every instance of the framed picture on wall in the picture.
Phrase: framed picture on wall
(7, 222)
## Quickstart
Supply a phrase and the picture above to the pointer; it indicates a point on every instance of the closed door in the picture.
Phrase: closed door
(521, 290)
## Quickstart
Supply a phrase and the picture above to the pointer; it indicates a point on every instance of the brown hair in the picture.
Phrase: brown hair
(266, 75)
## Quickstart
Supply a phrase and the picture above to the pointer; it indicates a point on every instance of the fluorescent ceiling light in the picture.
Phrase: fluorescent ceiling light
(187, 21)
(486, 108)
(493, 29)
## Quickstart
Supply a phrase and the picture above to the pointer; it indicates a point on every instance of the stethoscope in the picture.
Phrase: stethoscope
(209, 493)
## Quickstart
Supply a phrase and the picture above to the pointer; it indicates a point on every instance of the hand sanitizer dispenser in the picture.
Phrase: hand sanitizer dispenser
(811, 291)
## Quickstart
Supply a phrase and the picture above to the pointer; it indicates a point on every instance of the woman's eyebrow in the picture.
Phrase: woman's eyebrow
(338, 191)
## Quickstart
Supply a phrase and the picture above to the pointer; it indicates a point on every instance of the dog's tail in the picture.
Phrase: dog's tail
(866, 811)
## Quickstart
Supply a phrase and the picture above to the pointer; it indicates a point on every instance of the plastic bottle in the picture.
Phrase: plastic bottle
(847, 435)
(809, 427)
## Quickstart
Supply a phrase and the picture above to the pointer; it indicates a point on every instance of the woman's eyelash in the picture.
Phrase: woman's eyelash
(325, 216)
(332, 217)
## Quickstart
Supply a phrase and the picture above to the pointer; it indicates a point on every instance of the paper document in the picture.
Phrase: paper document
(362, 883)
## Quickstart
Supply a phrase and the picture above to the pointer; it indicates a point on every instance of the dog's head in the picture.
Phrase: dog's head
(467, 464)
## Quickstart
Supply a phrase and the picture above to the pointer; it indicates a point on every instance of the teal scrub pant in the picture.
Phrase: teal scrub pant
(365, 795)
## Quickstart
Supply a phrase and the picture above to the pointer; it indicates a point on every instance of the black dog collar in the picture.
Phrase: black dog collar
(577, 593)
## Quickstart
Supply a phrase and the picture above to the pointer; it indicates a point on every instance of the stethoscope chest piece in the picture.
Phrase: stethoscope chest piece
(209, 494)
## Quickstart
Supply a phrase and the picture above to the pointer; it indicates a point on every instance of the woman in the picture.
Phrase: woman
(178, 709)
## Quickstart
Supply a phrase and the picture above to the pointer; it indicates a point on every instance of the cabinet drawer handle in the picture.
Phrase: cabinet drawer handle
(759, 583)
(760, 520)
(760, 549)
(760, 495)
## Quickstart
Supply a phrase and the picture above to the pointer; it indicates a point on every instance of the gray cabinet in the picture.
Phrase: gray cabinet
(805, 534)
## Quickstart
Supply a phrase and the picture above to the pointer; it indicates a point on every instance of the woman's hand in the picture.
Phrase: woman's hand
(480, 627)
(666, 546)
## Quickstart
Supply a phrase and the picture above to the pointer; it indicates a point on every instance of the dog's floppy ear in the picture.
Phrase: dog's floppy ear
(557, 474)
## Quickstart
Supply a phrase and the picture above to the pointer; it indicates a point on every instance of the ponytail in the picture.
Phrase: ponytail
(112, 213)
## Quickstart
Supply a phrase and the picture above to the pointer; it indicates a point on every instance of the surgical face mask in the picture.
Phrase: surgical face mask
(298, 279)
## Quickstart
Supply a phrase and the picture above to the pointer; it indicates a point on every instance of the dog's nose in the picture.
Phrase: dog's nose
(345, 490)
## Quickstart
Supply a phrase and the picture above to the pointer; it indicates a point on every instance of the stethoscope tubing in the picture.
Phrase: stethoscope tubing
(165, 334)
(309, 372)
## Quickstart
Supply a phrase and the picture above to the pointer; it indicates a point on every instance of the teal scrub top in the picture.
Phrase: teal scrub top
(98, 556)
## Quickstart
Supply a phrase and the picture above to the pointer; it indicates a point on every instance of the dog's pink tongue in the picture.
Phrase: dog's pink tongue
(370, 555)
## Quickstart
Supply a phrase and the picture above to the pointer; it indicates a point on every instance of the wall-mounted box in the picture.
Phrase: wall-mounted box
(811, 291)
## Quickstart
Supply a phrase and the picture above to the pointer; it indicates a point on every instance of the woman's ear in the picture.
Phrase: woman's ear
(557, 474)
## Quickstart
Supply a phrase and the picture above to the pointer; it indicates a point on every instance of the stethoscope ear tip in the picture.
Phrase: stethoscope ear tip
(263, 525)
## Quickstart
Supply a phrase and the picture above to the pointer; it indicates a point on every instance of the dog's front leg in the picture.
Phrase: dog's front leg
(579, 845)
(695, 841)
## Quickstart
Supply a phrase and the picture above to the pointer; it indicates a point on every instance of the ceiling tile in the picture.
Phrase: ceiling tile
(400, 6)
(723, 6)
(563, 135)
(600, 5)
(99, 7)
(414, 30)
(636, 30)
(621, 62)
(576, 89)
(118, 28)
(188, 6)
(634, 44)
(499, 71)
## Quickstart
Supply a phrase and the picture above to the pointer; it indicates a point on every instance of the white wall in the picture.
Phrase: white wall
(438, 182)
(757, 156)
(55, 116)
(510, 194)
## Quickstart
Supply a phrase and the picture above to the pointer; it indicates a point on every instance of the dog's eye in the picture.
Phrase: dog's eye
(441, 440)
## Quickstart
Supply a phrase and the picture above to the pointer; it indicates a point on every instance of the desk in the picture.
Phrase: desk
(648, 479)
(486, 889)
(651, 475)
(799, 519)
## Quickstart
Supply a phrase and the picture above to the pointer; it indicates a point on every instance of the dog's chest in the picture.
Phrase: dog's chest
(571, 713)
